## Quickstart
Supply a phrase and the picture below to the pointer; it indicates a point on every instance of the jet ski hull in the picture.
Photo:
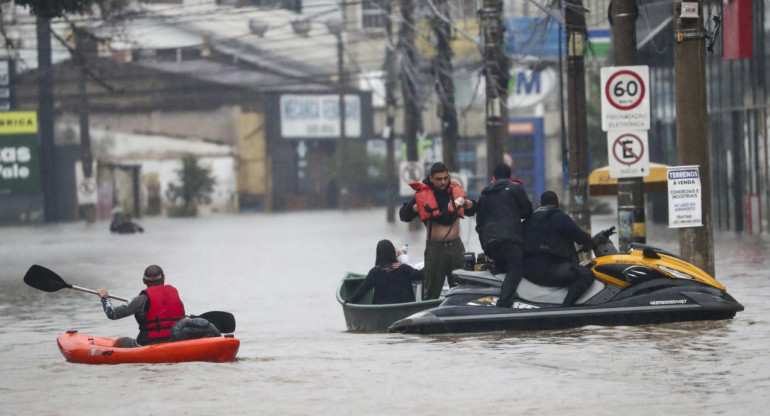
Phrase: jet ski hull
(668, 304)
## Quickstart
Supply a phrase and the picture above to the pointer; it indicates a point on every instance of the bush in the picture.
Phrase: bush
(196, 187)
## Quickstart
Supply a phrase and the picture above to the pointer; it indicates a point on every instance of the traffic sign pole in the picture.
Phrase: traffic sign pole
(631, 214)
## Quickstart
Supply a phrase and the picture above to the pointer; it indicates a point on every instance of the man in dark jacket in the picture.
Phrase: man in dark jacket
(501, 207)
(551, 260)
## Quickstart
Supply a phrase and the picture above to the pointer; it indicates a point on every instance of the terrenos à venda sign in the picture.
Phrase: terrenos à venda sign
(19, 160)
(684, 197)
(527, 87)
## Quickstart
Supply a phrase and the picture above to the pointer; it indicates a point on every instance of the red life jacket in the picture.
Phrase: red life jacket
(165, 309)
(427, 206)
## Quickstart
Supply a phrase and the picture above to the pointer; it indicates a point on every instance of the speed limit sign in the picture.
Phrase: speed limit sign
(625, 98)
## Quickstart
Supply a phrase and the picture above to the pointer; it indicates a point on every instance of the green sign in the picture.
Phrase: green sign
(19, 158)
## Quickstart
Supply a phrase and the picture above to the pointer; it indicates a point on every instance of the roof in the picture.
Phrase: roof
(233, 32)
(280, 58)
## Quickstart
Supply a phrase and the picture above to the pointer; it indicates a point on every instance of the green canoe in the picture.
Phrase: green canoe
(364, 316)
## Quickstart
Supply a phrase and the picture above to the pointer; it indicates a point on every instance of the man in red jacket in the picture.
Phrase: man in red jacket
(440, 204)
(156, 310)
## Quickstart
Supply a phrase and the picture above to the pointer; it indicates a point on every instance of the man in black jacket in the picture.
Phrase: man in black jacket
(551, 260)
(501, 207)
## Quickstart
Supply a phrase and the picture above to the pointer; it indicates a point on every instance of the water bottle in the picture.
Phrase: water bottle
(403, 258)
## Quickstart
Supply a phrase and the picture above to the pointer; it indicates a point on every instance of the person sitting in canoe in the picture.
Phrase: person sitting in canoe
(390, 278)
(156, 310)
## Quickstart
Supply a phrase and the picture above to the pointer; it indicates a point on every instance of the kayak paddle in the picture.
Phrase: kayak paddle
(47, 280)
(224, 321)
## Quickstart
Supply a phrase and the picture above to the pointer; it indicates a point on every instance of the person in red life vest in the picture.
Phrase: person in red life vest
(440, 204)
(156, 310)
(502, 206)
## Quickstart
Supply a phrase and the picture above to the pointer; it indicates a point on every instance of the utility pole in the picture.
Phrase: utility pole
(87, 211)
(445, 85)
(337, 30)
(692, 129)
(631, 215)
(577, 121)
(391, 182)
(45, 119)
(409, 72)
(496, 76)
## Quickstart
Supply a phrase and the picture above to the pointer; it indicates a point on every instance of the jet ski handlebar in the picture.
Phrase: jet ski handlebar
(602, 244)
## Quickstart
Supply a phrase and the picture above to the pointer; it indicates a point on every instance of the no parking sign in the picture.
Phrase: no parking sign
(628, 155)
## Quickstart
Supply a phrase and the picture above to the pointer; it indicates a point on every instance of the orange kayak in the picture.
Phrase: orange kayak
(88, 349)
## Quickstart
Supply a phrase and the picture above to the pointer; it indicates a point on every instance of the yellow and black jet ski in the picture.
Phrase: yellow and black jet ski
(646, 285)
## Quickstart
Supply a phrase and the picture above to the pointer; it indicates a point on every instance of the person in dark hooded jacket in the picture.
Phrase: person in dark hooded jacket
(551, 260)
(501, 207)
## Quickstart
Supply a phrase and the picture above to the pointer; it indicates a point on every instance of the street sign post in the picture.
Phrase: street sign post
(625, 98)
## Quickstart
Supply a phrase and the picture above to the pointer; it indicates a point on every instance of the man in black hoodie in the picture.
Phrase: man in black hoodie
(501, 207)
(550, 236)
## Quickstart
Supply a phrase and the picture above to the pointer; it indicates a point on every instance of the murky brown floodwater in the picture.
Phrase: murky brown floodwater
(278, 275)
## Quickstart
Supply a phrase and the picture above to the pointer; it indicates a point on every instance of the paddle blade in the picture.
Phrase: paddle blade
(224, 321)
(44, 279)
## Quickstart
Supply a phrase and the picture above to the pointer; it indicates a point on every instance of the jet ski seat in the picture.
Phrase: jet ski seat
(527, 290)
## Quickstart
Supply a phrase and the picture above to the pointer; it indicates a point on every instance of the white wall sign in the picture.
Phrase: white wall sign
(625, 98)
(86, 187)
(684, 197)
(628, 154)
(689, 9)
(317, 116)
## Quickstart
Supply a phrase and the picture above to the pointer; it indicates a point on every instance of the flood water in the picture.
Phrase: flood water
(278, 275)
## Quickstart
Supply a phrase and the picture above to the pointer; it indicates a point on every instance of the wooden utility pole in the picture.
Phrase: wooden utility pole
(577, 120)
(391, 181)
(445, 85)
(88, 210)
(45, 119)
(692, 129)
(496, 76)
(409, 72)
(343, 140)
(631, 215)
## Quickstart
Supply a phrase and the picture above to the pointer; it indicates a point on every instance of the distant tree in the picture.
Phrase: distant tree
(196, 187)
